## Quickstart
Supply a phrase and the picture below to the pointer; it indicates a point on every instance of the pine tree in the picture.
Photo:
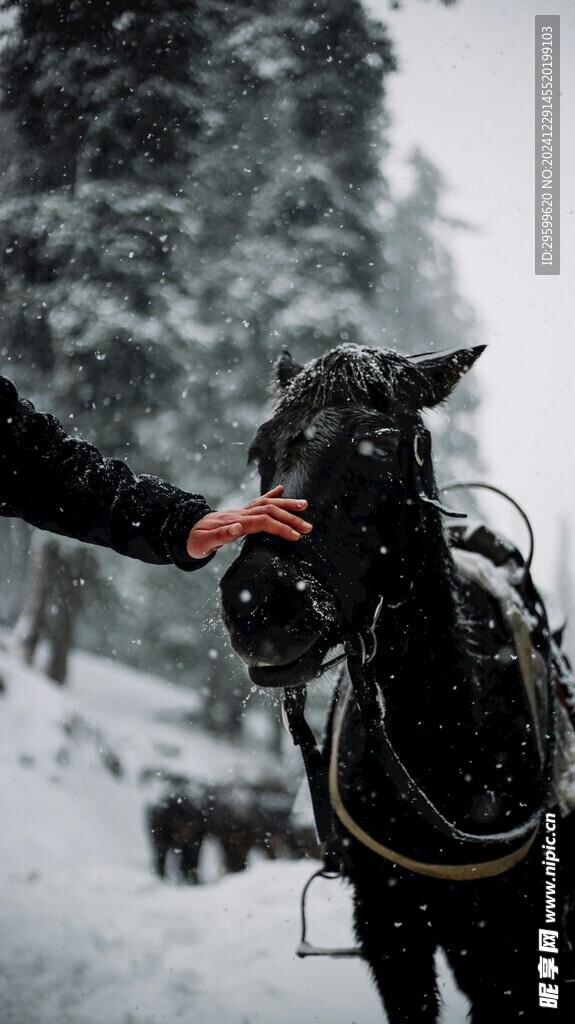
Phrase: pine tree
(422, 307)
(94, 226)
(289, 246)
(190, 187)
(105, 110)
(286, 188)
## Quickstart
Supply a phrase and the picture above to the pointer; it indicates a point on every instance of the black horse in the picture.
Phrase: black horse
(177, 824)
(240, 817)
(439, 764)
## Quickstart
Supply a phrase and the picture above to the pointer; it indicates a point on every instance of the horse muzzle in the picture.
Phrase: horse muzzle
(280, 620)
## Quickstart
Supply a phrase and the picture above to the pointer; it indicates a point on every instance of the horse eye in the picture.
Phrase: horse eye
(300, 439)
(296, 447)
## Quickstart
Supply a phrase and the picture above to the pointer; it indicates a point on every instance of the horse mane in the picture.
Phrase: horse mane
(351, 374)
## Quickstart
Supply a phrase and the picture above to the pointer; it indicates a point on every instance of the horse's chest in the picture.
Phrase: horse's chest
(466, 755)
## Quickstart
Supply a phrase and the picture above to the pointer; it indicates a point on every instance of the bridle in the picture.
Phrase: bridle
(360, 648)
(359, 651)
(361, 645)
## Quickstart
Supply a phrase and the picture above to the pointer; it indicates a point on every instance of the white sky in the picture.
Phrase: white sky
(464, 93)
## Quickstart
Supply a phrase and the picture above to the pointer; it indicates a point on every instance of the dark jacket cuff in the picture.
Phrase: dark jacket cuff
(177, 531)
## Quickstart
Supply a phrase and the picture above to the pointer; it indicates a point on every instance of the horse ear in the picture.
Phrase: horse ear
(286, 369)
(438, 374)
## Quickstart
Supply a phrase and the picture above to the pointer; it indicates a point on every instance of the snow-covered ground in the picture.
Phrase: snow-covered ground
(87, 934)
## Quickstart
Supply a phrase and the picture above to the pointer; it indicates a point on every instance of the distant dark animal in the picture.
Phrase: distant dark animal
(244, 817)
(240, 817)
(177, 826)
(233, 822)
(279, 835)
(438, 760)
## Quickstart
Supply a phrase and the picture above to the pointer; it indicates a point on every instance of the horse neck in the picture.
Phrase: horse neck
(422, 643)
(432, 672)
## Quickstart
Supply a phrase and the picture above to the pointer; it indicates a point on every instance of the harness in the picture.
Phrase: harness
(362, 689)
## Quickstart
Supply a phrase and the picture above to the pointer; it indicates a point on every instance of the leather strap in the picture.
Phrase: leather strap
(316, 770)
(453, 872)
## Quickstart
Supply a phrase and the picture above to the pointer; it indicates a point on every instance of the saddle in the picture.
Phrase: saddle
(495, 564)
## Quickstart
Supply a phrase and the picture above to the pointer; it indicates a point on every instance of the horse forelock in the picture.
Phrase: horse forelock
(350, 378)
(348, 374)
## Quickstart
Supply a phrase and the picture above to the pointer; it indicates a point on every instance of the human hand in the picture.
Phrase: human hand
(269, 514)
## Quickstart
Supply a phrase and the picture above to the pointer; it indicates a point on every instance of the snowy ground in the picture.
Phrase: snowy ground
(88, 934)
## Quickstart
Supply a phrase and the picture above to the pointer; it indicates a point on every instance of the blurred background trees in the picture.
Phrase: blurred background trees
(105, 112)
(186, 187)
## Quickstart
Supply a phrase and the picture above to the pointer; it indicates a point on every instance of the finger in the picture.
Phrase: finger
(276, 492)
(280, 514)
(294, 503)
(269, 524)
(202, 542)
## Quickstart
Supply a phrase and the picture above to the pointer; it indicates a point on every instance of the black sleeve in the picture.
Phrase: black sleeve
(63, 484)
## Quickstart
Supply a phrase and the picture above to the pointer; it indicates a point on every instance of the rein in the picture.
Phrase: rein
(451, 872)
(359, 651)
(364, 647)
(370, 701)
(326, 800)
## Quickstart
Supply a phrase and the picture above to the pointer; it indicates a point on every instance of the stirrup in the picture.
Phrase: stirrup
(306, 948)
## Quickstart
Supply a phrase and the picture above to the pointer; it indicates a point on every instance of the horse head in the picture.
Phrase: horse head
(346, 433)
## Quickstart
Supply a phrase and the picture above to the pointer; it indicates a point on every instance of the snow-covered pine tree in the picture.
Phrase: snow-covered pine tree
(292, 241)
(291, 245)
(289, 248)
(422, 307)
(104, 109)
(188, 192)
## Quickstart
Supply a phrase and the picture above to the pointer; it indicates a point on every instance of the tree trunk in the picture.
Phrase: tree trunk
(225, 698)
(65, 603)
(52, 600)
(277, 734)
(40, 569)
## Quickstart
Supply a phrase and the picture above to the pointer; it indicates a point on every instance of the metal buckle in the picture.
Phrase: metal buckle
(367, 640)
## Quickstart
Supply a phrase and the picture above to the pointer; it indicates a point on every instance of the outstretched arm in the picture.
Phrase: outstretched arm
(63, 484)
